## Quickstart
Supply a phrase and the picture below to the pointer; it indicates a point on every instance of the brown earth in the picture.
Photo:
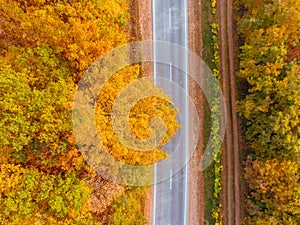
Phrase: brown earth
(230, 196)
(196, 177)
(140, 29)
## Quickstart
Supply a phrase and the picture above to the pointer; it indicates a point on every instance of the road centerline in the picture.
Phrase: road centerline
(170, 17)
(171, 179)
(171, 71)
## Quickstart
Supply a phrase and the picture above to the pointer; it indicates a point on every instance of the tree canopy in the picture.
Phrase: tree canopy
(45, 47)
(270, 109)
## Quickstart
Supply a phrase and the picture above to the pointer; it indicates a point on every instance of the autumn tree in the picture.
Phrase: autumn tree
(270, 109)
(27, 194)
(139, 119)
(79, 31)
(45, 46)
(36, 91)
(275, 190)
(126, 210)
(265, 14)
(272, 112)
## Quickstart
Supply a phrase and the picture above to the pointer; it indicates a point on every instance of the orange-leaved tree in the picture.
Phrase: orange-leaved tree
(275, 191)
(139, 118)
(79, 31)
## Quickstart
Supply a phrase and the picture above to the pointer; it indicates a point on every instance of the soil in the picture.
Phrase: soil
(140, 29)
(230, 196)
(243, 147)
(196, 177)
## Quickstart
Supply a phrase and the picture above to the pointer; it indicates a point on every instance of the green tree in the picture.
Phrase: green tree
(35, 97)
(272, 114)
(36, 196)
(270, 108)
(127, 208)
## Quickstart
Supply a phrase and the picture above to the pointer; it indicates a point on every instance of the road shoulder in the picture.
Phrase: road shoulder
(140, 29)
(196, 177)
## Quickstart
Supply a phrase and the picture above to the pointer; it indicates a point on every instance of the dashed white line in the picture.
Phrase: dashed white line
(154, 197)
(171, 179)
(154, 38)
(170, 17)
(171, 71)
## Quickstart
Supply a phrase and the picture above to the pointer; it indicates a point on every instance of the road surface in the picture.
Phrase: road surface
(170, 198)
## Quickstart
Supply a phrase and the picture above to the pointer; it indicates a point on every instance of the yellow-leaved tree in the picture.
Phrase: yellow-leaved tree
(139, 118)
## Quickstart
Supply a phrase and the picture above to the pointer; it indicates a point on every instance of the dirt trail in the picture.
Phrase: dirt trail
(230, 157)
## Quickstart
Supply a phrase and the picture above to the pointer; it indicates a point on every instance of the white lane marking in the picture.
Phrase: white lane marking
(170, 17)
(171, 71)
(154, 38)
(154, 77)
(187, 114)
(154, 70)
(154, 197)
(171, 179)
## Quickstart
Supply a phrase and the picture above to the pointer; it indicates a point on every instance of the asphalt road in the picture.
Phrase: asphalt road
(170, 199)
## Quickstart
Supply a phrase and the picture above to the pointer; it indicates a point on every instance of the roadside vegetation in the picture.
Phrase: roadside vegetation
(212, 174)
(45, 47)
(269, 105)
(127, 209)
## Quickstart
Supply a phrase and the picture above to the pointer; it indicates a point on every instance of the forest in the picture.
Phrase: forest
(45, 48)
(269, 76)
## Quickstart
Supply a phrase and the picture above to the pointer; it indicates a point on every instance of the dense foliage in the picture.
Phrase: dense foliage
(78, 31)
(140, 118)
(29, 196)
(45, 46)
(127, 208)
(270, 108)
